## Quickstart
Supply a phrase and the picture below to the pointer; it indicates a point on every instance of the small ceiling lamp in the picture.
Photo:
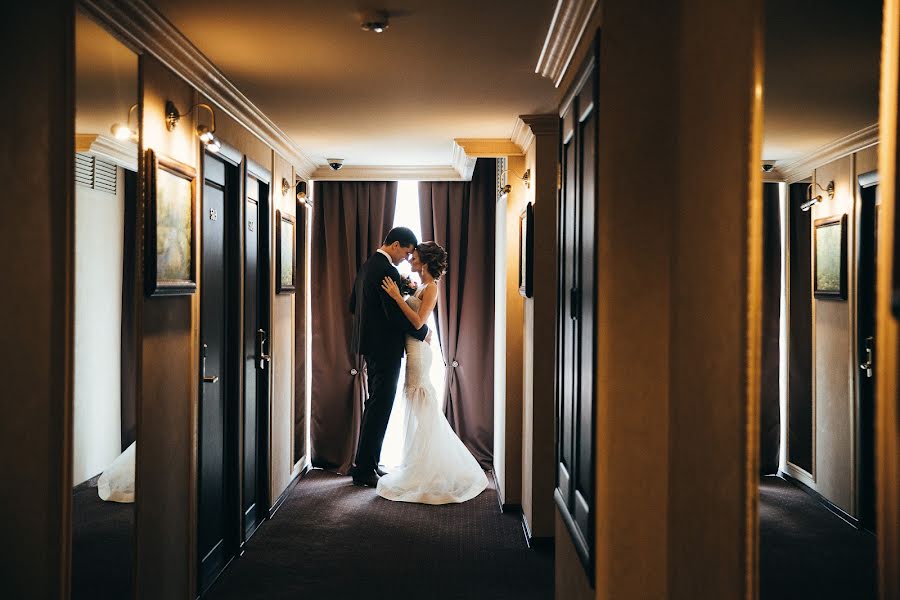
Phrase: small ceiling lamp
(126, 131)
(205, 133)
(377, 22)
(812, 201)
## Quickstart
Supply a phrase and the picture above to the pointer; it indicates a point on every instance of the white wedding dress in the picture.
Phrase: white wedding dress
(436, 466)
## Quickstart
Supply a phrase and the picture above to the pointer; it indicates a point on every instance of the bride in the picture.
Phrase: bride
(436, 467)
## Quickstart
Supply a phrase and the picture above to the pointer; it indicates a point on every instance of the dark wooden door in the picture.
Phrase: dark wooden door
(216, 493)
(256, 354)
(576, 314)
(866, 348)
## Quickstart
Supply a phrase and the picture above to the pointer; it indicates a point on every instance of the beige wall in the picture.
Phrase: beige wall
(538, 412)
(283, 344)
(97, 396)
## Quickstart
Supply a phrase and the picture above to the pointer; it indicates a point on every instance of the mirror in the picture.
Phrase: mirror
(104, 394)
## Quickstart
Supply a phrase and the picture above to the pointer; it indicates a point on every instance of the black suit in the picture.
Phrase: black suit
(379, 334)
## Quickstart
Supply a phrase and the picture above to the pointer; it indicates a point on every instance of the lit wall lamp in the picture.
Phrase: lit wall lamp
(812, 201)
(206, 134)
(126, 131)
(526, 179)
(301, 191)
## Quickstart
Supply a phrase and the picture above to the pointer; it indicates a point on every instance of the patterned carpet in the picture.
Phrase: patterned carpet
(333, 540)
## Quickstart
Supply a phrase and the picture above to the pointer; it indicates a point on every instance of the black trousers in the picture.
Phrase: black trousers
(381, 374)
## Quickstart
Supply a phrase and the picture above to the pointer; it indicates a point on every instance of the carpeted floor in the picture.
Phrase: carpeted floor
(102, 545)
(333, 540)
(808, 552)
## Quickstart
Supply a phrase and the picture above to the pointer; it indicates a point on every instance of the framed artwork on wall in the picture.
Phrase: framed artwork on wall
(286, 246)
(170, 241)
(830, 258)
(526, 251)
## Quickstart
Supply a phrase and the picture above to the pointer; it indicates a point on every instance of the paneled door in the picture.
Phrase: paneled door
(217, 458)
(866, 347)
(576, 314)
(256, 350)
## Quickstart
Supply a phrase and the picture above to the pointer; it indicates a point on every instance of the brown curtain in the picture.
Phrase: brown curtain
(350, 219)
(770, 404)
(460, 217)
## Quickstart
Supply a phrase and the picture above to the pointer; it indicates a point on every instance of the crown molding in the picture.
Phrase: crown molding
(522, 136)
(802, 168)
(121, 153)
(382, 173)
(488, 147)
(83, 141)
(462, 162)
(566, 30)
(141, 27)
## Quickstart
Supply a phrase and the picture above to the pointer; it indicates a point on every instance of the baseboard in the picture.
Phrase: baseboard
(287, 491)
(836, 510)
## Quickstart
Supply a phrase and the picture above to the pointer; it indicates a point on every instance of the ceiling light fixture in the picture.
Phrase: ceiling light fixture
(377, 22)
(125, 132)
(810, 201)
(206, 134)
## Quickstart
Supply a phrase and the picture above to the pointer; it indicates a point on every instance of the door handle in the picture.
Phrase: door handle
(204, 377)
(574, 303)
(262, 357)
(870, 354)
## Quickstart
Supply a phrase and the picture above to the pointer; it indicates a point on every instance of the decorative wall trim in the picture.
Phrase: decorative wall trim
(463, 163)
(802, 168)
(140, 26)
(122, 154)
(488, 147)
(389, 173)
(522, 136)
(566, 29)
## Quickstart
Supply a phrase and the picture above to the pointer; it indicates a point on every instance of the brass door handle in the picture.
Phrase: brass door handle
(870, 352)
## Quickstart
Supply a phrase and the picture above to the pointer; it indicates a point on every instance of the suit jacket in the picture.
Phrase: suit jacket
(379, 325)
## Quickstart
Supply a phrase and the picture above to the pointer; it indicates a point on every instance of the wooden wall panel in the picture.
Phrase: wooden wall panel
(167, 407)
(36, 242)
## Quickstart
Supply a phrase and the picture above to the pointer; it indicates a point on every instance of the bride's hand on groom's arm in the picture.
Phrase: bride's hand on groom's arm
(389, 286)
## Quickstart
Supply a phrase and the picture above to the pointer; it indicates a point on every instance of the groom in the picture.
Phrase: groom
(379, 334)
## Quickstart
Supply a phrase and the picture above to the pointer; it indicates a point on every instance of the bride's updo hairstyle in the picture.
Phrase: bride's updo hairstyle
(434, 257)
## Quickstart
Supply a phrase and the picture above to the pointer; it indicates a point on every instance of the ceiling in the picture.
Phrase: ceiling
(821, 73)
(443, 70)
(463, 69)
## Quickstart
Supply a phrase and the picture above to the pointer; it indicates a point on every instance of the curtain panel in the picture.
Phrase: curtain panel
(350, 220)
(460, 217)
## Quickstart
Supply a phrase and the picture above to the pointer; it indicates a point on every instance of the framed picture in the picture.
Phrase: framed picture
(526, 251)
(170, 242)
(286, 247)
(830, 258)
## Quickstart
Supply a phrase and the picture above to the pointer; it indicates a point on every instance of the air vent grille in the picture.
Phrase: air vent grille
(95, 174)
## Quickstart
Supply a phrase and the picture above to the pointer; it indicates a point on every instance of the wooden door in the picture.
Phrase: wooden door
(256, 354)
(576, 314)
(216, 492)
(866, 348)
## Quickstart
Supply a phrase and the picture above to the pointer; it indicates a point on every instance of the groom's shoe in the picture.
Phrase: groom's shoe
(365, 478)
(381, 472)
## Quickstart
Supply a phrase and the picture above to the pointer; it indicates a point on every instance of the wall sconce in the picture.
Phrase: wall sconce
(526, 179)
(285, 186)
(505, 189)
(206, 134)
(812, 201)
(301, 191)
(126, 131)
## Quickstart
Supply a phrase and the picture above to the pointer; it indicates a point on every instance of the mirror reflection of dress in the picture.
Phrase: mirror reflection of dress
(436, 468)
